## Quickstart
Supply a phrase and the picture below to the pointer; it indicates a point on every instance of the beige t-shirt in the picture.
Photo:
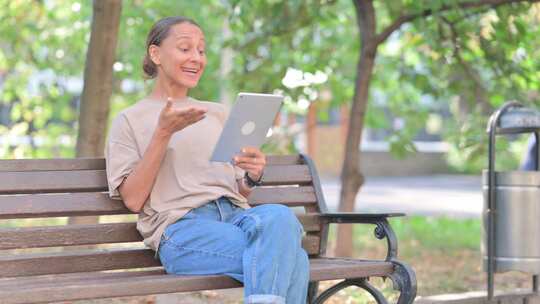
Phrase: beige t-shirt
(186, 178)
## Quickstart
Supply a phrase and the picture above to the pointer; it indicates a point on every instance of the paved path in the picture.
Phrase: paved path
(435, 195)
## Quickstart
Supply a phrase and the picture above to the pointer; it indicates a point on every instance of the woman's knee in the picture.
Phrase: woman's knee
(282, 216)
(215, 259)
(205, 247)
(303, 261)
(272, 219)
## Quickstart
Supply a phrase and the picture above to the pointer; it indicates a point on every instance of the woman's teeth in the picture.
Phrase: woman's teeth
(193, 71)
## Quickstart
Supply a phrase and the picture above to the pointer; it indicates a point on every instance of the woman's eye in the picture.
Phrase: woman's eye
(202, 52)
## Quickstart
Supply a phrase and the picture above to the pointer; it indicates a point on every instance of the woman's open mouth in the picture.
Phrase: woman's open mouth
(190, 71)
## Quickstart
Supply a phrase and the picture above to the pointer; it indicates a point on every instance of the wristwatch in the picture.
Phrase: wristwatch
(250, 182)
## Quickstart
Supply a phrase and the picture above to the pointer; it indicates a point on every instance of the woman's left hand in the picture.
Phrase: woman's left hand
(252, 160)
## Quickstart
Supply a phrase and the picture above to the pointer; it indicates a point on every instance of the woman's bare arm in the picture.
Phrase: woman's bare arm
(137, 186)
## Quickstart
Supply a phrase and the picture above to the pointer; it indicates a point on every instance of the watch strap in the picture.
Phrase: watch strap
(250, 182)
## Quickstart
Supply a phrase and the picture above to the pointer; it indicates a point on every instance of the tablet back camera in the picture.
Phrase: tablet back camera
(248, 128)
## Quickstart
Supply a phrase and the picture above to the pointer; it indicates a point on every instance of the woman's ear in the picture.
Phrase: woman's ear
(153, 51)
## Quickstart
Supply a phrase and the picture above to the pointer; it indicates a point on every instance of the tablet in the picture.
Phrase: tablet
(247, 125)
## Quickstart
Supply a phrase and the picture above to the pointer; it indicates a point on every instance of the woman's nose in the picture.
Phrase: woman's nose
(196, 56)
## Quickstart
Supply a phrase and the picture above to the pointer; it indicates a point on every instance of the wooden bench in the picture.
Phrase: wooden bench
(48, 263)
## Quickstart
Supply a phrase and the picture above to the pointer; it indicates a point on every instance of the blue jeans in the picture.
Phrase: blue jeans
(260, 247)
(530, 160)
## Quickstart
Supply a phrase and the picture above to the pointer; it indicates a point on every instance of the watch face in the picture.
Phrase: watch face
(251, 183)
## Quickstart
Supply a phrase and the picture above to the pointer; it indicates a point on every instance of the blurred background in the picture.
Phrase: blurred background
(399, 90)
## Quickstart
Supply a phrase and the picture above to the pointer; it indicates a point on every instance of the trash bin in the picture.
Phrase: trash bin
(511, 236)
(517, 218)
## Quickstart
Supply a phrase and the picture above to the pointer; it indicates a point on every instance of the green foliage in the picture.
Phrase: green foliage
(281, 142)
(308, 36)
(42, 47)
(51, 37)
(464, 62)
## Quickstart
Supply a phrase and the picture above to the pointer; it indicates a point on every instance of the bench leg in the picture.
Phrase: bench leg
(403, 277)
(313, 289)
(404, 280)
(361, 283)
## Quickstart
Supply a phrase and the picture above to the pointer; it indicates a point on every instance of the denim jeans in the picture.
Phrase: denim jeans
(260, 247)
(531, 158)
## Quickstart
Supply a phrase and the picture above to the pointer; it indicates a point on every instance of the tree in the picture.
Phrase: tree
(41, 55)
(370, 39)
(98, 84)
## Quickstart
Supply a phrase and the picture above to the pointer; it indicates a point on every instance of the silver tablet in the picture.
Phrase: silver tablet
(247, 125)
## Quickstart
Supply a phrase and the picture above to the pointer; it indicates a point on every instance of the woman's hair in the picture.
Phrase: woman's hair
(157, 34)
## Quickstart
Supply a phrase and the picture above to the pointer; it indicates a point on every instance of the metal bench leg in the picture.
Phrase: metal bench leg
(404, 280)
(403, 277)
(361, 283)
(313, 289)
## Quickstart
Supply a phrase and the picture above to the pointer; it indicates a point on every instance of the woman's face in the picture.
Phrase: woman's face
(181, 55)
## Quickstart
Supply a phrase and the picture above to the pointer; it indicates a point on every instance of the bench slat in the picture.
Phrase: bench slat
(101, 285)
(342, 268)
(99, 203)
(52, 181)
(287, 175)
(67, 278)
(70, 235)
(63, 204)
(52, 164)
(77, 277)
(311, 244)
(290, 196)
(68, 262)
(96, 180)
(284, 160)
(311, 222)
(91, 163)
(81, 261)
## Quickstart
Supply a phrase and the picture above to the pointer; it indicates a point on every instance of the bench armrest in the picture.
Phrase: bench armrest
(382, 231)
(403, 277)
(357, 218)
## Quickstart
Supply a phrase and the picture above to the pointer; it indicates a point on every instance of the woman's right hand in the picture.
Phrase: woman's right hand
(172, 120)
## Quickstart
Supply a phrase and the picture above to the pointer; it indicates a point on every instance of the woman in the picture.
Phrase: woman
(194, 212)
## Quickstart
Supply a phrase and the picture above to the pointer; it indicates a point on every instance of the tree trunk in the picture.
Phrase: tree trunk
(97, 90)
(351, 176)
(344, 124)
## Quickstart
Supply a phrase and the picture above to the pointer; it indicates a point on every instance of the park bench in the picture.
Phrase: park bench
(47, 188)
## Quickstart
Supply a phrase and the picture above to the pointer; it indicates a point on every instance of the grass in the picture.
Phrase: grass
(430, 233)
